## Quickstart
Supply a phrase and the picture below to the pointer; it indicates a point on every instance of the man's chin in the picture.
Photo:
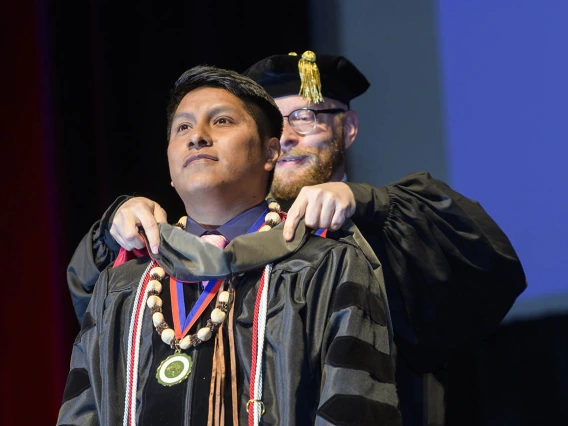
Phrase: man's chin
(284, 193)
(288, 187)
(289, 181)
(293, 179)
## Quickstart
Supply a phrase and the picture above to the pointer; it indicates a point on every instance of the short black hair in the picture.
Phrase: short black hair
(258, 103)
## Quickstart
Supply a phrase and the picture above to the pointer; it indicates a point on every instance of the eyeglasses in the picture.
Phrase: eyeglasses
(304, 120)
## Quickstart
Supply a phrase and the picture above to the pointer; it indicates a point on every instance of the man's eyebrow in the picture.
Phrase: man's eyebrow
(184, 115)
(220, 109)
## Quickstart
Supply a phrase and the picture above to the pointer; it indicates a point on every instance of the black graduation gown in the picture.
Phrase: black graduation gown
(451, 273)
(328, 335)
(451, 276)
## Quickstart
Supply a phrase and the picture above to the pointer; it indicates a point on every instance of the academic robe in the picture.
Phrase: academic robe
(451, 276)
(327, 346)
(450, 271)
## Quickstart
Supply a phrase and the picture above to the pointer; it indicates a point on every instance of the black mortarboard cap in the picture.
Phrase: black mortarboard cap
(281, 75)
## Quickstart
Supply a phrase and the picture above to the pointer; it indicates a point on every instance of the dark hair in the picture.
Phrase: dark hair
(258, 103)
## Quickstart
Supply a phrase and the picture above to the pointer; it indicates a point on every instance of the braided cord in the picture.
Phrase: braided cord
(134, 349)
(258, 337)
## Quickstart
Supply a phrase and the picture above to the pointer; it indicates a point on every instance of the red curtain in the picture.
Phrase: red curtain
(34, 358)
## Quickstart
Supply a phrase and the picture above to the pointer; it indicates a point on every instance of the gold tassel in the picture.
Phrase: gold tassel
(310, 89)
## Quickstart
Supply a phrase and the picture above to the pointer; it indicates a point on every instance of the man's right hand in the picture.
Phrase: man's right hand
(135, 212)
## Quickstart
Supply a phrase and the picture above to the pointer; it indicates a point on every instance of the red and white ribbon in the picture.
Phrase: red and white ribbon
(133, 353)
(256, 406)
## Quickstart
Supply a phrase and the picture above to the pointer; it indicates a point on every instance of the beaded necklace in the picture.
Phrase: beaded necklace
(177, 367)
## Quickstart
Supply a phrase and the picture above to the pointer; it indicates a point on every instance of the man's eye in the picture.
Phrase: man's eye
(183, 127)
(222, 120)
(302, 116)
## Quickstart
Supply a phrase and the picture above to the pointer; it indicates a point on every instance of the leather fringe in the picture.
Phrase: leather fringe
(216, 416)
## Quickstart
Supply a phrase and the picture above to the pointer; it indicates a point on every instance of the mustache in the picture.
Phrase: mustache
(297, 153)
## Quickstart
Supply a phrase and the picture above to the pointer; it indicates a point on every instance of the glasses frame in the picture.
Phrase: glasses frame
(315, 112)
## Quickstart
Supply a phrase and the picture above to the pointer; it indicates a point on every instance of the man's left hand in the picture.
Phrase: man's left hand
(327, 205)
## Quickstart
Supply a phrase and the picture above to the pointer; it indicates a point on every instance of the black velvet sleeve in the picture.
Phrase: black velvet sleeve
(451, 273)
(357, 370)
(94, 253)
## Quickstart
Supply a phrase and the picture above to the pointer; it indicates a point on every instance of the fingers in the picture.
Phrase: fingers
(160, 214)
(136, 212)
(148, 222)
(125, 231)
(327, 205)
(318, 214)
(295, 213)
(151, 227)
(323, 210)
(338, 219)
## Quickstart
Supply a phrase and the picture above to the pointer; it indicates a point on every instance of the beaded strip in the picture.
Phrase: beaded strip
(218, 315)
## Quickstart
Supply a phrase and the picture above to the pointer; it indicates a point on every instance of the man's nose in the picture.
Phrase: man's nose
(289, 138)
(198, 139)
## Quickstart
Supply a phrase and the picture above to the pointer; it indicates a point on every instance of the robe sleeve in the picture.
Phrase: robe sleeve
(83, 386)
(95, 252)
(357, 369)
(451, 273)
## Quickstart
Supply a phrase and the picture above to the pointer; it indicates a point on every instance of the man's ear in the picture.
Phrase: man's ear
(272, 153)
(350, 127)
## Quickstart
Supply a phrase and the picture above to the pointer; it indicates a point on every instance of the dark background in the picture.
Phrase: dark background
(84, 90)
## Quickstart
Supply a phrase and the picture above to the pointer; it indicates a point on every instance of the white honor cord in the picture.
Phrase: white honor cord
(260, 344)
(132, 368)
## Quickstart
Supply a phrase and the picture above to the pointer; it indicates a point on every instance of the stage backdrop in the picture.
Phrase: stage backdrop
(475, 93)
(504, 70)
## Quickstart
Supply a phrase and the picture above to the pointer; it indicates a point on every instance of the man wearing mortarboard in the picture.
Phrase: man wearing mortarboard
(450, 271)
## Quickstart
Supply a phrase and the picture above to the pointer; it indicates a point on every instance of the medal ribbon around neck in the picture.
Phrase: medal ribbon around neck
(183, 323)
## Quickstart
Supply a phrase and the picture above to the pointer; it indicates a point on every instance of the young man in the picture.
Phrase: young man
(301, 330)
(451, 273)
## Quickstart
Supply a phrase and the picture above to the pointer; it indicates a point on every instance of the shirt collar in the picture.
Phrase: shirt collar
(238, 225)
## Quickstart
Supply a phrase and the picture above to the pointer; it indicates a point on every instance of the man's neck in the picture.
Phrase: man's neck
(212, 211)
(338, 174)
(243, 223)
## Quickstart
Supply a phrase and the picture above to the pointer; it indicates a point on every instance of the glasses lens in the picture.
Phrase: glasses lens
(302, 120)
